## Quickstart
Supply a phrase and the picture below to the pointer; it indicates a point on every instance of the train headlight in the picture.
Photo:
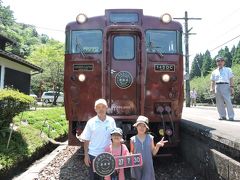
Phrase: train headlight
(166, 18)
(169, 132)
(165, 78)
(81, 18)
(81, 77)
(161, 132)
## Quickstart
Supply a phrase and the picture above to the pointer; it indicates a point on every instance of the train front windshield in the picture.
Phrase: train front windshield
(163, 41)
(86, 41)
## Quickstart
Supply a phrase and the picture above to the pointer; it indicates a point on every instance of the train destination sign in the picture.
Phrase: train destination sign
(83, 67)
(105, 163)
(164, 67)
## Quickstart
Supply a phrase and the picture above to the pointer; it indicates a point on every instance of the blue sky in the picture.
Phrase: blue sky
(220, 19)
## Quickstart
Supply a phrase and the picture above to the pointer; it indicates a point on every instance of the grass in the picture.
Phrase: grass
(26, 139)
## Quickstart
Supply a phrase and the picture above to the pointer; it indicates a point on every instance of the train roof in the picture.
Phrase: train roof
(124, 17)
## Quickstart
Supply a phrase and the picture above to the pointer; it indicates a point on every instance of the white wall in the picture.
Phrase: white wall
(2, 76)
(5, 63)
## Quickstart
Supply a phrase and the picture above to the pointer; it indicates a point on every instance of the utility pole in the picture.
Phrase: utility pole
(187, 86)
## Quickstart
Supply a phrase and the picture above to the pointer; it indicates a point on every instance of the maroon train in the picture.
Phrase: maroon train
(133, 61)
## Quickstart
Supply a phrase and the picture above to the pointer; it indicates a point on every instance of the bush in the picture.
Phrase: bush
(12, 102)
(28, 140)
(51, 121)
(236, 71)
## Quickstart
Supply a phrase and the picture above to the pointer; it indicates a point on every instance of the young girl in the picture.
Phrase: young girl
(143, 143)
(117, 149)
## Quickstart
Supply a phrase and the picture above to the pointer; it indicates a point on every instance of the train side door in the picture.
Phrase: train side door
(123, 61)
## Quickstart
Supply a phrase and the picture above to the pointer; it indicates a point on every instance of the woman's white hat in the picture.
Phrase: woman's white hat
(143, 120)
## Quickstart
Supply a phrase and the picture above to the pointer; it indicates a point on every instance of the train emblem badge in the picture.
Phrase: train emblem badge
(123, 79)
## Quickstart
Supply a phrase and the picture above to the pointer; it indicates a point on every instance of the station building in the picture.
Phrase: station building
(15, 72)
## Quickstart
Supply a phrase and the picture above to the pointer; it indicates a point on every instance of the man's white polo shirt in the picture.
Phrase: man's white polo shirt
(222, 75)
(98, 133)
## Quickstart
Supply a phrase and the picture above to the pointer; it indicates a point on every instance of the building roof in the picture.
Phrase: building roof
(5, 39)
(19, 60)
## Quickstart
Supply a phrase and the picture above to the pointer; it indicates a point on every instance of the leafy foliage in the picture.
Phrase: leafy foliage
(236, 55)
(49, 56)
(52, 123)
(236, 71)
(26, 140)
(12, 102)
(25, 36)
(196, 66)
(207, 61)
(227, 56)
(6, 15)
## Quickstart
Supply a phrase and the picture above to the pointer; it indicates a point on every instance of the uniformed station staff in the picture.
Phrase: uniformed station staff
(222, 86)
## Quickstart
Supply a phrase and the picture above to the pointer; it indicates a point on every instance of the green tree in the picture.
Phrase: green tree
(50, 57)
(25, 36)
(236, 55)
(227, 56)
(207, 63)
(6, 16)
(233, 50)
(196, 66)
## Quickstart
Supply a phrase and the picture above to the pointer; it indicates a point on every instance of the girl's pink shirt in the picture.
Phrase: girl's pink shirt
(117, 152)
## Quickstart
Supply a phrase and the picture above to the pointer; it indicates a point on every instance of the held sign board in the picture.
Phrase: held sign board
(105, 163)
(133, 160)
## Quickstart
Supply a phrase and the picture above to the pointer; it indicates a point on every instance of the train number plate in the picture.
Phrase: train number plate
(164, 67)
(83, 67)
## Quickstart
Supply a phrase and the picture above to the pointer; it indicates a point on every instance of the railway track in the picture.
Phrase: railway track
(68, 164)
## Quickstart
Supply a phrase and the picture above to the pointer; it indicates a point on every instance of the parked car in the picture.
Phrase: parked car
(34, 104)
(48, 97)
(33, 95)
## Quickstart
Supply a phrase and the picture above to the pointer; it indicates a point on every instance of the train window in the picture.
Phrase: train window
(67, 42)
(161, 41)
(123, 47)
(179, 41)
(86, 41)
(123, 17)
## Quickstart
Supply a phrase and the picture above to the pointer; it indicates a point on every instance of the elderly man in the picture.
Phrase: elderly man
(222, 85)
(97, 135)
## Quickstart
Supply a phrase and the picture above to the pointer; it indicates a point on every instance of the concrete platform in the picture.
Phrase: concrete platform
(206, 119)
(211, 146)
